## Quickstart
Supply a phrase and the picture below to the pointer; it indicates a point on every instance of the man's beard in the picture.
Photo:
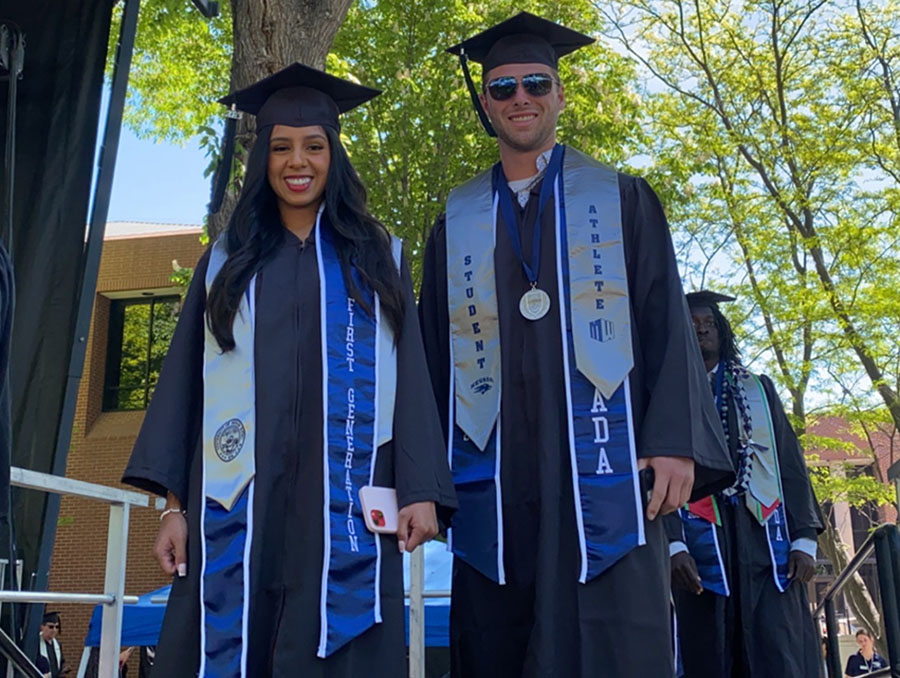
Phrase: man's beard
(535, 142)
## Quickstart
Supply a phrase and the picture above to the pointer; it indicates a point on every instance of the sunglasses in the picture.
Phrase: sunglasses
(52, 626)
(535, 84)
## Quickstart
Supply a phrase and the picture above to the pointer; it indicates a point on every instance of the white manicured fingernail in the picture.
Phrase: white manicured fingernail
(182, 570)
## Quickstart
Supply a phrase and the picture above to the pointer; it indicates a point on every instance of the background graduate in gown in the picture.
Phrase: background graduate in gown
(542, 622)
(756, 630)
(297, 167)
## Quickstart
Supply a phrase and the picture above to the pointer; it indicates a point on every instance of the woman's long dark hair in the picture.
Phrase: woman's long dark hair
(255, 232)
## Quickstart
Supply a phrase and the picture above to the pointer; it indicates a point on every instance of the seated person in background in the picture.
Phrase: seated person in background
(867, 659)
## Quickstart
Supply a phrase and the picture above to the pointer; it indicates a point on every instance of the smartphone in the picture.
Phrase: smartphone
(646, 479)
(379, 507)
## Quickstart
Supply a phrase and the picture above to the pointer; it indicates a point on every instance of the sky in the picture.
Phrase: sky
(156, 182)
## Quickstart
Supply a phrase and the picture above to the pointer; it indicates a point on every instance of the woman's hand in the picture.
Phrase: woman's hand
(416, 524)
(171, 540)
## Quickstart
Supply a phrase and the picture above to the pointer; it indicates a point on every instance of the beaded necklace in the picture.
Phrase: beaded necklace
(732, 388)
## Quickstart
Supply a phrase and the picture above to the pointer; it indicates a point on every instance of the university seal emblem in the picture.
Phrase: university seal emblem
(230, 439)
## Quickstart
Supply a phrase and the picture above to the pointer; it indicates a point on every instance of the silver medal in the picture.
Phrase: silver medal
(534, 304)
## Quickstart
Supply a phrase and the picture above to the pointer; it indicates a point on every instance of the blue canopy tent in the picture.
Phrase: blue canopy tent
(142, 622)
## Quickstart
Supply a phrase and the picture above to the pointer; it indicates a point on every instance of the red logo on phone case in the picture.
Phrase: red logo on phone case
(378, 518)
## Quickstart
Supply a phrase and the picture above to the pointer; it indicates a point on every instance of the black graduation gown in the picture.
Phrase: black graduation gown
(287, 548)
(54, 667)
(757, 631)
(543, 623)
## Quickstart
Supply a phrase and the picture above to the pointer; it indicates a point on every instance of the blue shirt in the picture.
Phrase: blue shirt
(858, 666)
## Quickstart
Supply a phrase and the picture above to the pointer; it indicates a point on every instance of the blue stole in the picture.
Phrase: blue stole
(358, 390)
(779, 546)
(608, 507)
(702, 540)
(700, 534)
(350, 596)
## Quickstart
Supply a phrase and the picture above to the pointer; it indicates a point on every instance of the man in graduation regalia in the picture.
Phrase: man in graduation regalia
(49, 649)
(559, 343)
(741, 558)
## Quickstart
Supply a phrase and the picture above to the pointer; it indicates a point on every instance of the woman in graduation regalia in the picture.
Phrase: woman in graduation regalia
(295, 377)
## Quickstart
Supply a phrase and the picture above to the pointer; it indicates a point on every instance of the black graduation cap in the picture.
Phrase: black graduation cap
(523, 39)
(707, 298)
(298, 96)
(52, 618)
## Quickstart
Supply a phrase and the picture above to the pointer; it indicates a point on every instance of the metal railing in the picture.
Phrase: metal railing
(16, 660)
(113, 597)
(417, 613)
(885, 542)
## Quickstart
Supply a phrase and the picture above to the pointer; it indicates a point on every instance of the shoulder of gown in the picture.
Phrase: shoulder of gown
(161, 459)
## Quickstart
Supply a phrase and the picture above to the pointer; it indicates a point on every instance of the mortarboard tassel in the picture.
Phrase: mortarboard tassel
(223, 169)
(482, 116)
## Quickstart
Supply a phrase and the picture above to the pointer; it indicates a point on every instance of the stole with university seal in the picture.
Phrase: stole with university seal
(358, 388)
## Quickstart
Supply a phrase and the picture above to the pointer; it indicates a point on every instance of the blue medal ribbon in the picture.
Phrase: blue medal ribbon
(510, 214)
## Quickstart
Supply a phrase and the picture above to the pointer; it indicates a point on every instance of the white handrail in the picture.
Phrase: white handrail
(45, 482)
(51, 597)
(417, 613)
(113, 599)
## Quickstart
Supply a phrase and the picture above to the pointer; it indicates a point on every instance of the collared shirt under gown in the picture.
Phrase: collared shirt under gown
(543, 623)
(286, 559)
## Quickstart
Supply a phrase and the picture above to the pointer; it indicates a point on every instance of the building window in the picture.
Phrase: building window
(140, 331)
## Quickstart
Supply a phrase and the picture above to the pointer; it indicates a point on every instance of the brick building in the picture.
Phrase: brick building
(135, 308)
(852, 452)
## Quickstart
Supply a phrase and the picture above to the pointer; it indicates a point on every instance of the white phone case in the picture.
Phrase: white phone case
(379, 507)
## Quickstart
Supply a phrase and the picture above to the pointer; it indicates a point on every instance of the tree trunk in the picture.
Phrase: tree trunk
(269, 35)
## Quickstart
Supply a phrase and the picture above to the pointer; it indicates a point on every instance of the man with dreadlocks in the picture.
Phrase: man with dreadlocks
(740, 559)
